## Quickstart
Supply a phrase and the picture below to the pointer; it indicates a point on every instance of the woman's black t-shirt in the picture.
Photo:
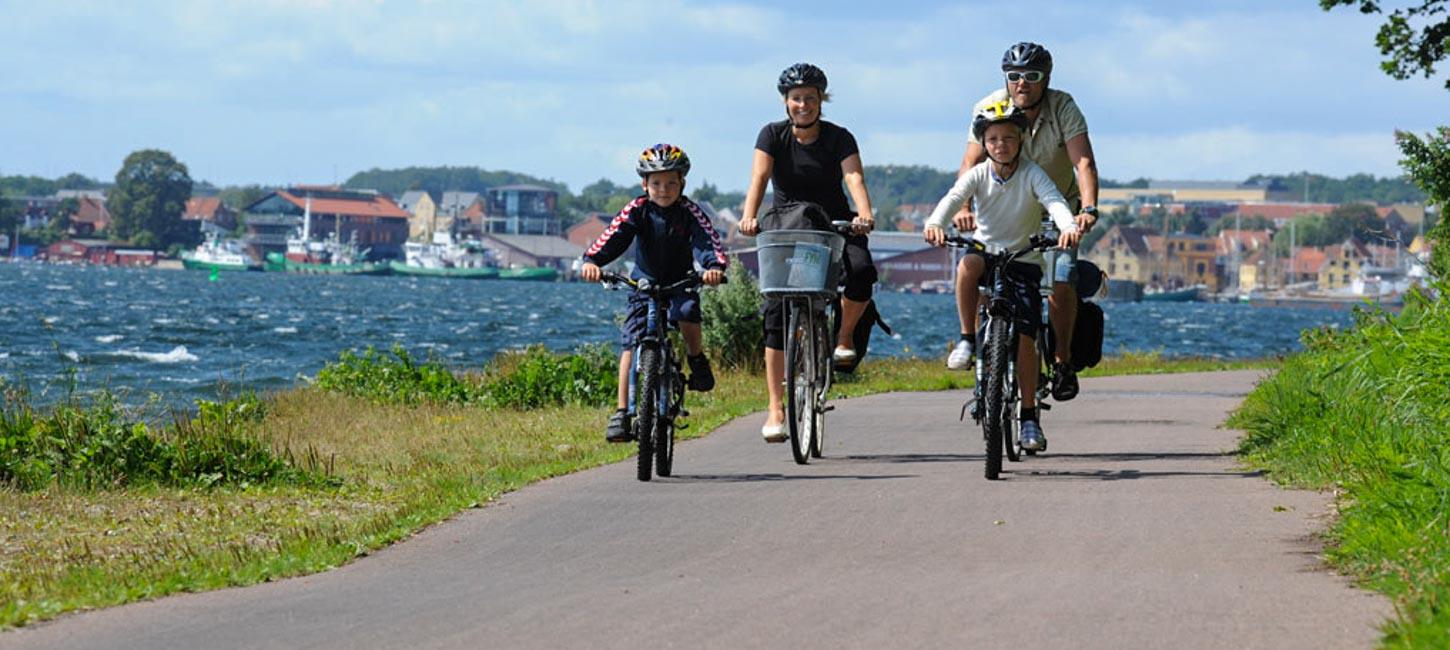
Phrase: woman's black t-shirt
(809, 172)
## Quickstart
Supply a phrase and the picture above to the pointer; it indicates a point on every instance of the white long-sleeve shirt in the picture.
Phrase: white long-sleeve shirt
(1008, 212)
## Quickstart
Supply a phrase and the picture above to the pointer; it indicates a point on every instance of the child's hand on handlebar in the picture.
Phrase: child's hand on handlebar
(590, 272)
(712, 277)
(935, 236)
(1069, 239)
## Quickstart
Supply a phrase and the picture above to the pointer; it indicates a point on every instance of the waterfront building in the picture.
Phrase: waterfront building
(522, 210)
(370, 219)
(210, 210)
(423, 215)
(518, 251)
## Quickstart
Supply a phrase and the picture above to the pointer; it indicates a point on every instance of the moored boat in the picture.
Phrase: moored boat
(1188, 294)
(535, 273)
(217, 254)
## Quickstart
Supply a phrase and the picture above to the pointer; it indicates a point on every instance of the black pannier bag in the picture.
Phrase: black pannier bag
(1087, 336)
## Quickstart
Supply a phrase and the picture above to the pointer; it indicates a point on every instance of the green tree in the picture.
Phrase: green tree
(1428, 161)
(9, 217)
(147, 202)
(1411, 39)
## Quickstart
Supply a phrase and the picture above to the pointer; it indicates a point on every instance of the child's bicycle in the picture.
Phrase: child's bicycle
(657, 386)
(801, 268)
(995, 394)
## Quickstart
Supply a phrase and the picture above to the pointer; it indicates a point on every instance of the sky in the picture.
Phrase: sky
(310, 91)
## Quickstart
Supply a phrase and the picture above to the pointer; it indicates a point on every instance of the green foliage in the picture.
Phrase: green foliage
(1367, 411)
(536, 378)
(731, 314)
(37, 186)
(707, 192)
(238, 197)
(1410, 48)
(148, 200)
(96, 447)
(525, 379)
(1137, 184)
(394, 378)
(9, 216)
(894, 185)
(1428, 161)
(437, 180)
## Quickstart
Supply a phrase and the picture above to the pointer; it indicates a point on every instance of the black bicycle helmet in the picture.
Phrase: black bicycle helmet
(999, 112)
(1030, 56)
(663, 158)
(801, 74)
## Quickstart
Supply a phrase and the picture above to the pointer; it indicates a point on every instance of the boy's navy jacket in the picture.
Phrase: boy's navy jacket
(669, 240)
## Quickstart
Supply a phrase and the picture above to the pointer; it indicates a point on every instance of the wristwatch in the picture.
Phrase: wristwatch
(1092, 210)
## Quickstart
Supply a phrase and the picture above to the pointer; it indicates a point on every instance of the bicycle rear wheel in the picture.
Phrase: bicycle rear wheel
(646, 411)
(800, 357)
(823, 381)
(998, 348)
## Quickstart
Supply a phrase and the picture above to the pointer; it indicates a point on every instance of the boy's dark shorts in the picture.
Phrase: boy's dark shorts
(684, 308)
(1023, 282)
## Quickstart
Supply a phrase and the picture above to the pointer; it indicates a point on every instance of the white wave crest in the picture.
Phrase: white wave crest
(285, 330)
(178, 354)
(109, 338)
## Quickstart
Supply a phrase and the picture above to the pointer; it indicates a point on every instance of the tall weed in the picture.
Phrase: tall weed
(1367, 410)
(731, 314)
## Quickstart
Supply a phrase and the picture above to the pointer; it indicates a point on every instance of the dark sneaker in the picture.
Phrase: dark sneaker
(1032, 437)
(1064, 385)
(619, 429)
(701, 379)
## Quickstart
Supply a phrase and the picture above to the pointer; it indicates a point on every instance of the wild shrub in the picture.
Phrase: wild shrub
(95, 446)
(394, 378)
(731, 315)
(535, 377)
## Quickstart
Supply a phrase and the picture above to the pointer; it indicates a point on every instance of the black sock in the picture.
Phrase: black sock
(969, 338)
(1028, 413)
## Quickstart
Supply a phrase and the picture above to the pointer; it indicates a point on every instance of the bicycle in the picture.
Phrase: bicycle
(657, 384)
(802, 268)
(995, 393)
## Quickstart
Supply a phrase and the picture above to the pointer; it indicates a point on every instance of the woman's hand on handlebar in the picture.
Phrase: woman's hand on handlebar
(935, 236)
(862, 224)
(749, 226)
(712, 277)
(590, 272)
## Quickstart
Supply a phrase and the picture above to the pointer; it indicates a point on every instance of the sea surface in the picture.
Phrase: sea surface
(177, 336)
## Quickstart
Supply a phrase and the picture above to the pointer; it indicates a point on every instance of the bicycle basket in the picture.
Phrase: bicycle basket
(799, 261)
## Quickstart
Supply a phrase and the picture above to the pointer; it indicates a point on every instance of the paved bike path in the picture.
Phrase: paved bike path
(1136, 529)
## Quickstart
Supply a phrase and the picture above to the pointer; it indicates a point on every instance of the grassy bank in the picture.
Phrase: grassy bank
(370, 468)
(1366, 412)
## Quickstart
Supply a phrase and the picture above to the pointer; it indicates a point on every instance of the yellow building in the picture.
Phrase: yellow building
(424, 219)
(1125, 253)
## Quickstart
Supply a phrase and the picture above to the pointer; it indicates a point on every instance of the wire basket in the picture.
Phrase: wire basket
(799, 261)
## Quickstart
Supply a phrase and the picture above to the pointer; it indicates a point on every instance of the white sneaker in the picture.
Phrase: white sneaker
(844, 355)
(961, 356)
(773, 432)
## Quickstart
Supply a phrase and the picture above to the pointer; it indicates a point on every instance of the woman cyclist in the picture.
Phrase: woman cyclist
(806, 159)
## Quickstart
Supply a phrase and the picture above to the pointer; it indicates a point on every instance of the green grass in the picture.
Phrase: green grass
(393, 469)
(1366, 412)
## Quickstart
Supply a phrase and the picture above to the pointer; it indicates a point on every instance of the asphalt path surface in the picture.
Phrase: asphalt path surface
(1136, 529)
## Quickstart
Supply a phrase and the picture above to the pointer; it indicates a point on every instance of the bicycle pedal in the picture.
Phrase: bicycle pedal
(1044, 406)
(684, 413)
(828, 407)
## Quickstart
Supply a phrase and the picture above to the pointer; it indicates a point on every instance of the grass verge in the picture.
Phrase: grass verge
(395, 469)
(1366, 412)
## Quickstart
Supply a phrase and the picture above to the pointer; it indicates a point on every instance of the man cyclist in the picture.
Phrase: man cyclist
(1056, 139)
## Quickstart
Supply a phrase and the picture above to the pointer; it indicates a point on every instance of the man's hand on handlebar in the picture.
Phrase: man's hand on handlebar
(590, 272)
(712, 277)
(935, 236)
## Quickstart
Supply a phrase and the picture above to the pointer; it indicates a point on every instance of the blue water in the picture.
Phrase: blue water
(180, 336)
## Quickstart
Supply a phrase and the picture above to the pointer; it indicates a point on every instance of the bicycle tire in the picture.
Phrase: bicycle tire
(646, 407)
(998, 348)
(799, 384)
(665, 426)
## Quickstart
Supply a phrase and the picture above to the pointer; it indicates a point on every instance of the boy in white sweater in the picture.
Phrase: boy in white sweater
(1010, 194)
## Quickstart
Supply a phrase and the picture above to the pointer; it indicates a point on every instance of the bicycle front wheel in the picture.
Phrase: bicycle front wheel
(995, 361)
(824, 368)
(646, 409)
(664, 433)
(800, 383)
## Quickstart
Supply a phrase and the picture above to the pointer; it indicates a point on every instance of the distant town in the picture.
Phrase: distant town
(1165, 240)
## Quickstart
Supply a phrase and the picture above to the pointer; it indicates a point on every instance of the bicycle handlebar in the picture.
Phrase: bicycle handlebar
(1035, 243)
(648, 286)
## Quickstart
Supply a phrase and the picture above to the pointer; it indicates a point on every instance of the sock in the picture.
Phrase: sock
(1028, 413)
